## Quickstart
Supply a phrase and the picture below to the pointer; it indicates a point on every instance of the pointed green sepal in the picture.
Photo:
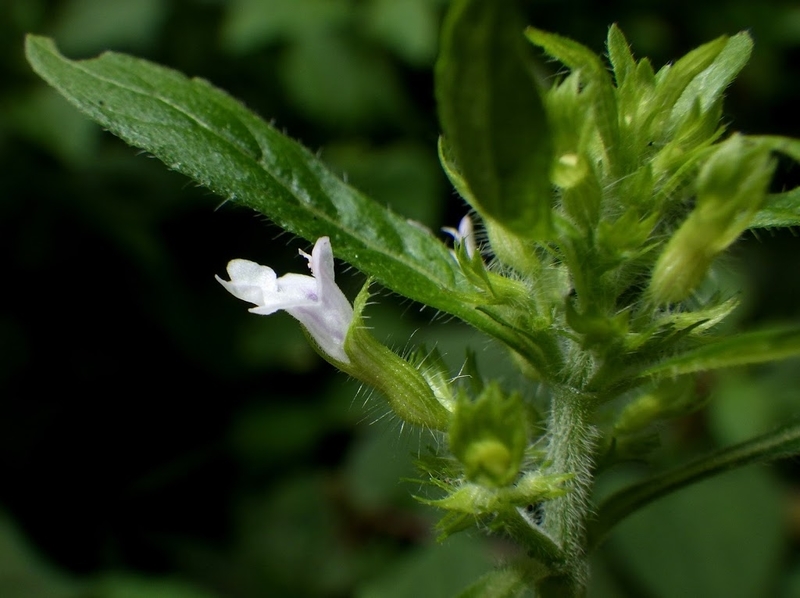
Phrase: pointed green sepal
(780, 209)
(511, 510)
(534, 487)
(472, 499)
(699, 320)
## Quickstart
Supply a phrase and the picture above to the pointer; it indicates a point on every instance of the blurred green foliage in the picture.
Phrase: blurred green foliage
(157, 440)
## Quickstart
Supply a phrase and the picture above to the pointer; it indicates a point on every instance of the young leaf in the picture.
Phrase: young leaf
(778, 210)
(204, 133)
(708, 86)
(672, 81)
(594, 76)
(772, 446)
(784, 145)
(619, 54)
(743, 349)
(492, 116)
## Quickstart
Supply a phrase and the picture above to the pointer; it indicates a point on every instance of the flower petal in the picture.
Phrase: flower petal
(464, 235)
(292, 290)
(249, 281)
(315, 301)
(330, 294)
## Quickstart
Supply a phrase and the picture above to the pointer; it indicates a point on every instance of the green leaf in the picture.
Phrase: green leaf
(784, 145)
(673, 80)
(778, 210)
(202, 132)
(775, 445)
(619, 54)
(492, 116)
(595, 78)
(743, 349)
(707, 87)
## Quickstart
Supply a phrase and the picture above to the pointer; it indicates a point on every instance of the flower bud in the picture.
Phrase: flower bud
(730, 187)
(489, 436)
(406, 390)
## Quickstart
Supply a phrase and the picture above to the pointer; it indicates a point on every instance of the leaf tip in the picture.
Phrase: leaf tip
(37, 46)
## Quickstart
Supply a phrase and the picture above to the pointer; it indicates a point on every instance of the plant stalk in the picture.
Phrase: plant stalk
(573, 440)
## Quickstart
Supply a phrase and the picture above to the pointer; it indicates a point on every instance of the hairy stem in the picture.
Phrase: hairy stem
(572, 446)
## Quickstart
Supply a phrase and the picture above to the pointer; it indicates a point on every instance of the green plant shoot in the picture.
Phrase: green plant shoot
(603, 200)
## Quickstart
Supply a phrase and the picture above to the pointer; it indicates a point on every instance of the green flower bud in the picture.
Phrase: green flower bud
(730, 188)
(405, 388)
(489, 436)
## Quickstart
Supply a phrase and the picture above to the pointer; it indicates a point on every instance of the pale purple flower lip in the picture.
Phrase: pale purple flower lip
(315, 301)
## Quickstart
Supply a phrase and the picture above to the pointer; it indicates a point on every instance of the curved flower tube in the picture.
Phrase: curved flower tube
(315, 301)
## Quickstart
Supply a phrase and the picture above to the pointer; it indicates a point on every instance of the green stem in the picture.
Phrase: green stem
(781, 443)
(572, 447)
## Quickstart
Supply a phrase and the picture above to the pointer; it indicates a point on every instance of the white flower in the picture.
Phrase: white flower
(464, 234)
(315, 301)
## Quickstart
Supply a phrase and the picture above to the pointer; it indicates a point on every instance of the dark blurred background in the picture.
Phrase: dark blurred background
(158, 440)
